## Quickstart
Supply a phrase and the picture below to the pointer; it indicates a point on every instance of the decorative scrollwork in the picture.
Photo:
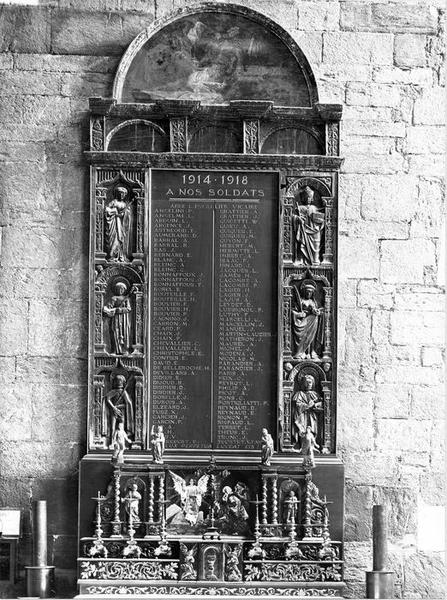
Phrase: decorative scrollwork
(292, 572)
(129, 570)
(123, 590)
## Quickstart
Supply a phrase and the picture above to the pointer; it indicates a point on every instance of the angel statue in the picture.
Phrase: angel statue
(307, 323)
(187, 566)
(191, 495)
(158, 444)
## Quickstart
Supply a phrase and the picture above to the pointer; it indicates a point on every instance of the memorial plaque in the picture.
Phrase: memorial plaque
(213, 308)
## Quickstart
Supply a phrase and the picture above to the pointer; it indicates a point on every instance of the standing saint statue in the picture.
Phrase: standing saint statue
(306, 404)
(307, 323)
(118, 221)
(118, 311)
(158, 444)
(132, 503)
(308, 226)
(119, 408)
(267, 447)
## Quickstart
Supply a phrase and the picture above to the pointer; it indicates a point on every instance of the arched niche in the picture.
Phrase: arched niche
(215, 54)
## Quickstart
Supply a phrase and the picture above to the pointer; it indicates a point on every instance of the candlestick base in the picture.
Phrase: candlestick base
(379, 584)
(40, 581)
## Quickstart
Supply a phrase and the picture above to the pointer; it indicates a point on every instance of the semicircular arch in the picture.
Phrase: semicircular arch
(215, 53)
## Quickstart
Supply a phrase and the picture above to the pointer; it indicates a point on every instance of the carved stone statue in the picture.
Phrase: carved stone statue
(308, 225)
(306, 404)
(191, 495)
(132, 503)
(232, 515)
(119, 408)
(118, 311)
(118, 222)
(158, 444)
(307, 323)
(266, 447)
(290, 508)
(119, 440)
(308, 447)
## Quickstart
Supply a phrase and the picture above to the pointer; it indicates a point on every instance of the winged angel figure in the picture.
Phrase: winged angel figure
(191, 495)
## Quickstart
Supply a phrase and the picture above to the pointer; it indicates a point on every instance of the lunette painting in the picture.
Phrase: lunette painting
(215, 58)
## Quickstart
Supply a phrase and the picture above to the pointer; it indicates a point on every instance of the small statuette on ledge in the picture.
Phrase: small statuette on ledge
(119, 440)
(308, 448)
(157, 444)
(267, 449)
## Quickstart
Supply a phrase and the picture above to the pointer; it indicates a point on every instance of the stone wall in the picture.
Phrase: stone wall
(384, 62)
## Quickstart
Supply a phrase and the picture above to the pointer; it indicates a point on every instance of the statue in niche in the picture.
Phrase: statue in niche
(119, 440)
(118, 311)
(308, 226)
(118, 221)
(307, 323)
(119, 407)
(306, 404)
(290, 508)
(266, 447)
(158, 444)
(132, 503)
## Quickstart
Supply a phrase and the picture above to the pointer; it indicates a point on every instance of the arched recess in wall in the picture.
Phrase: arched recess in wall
(215, 54)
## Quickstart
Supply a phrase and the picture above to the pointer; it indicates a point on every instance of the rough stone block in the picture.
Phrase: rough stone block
(349, 196)
(25, 29)
(377, 230)
(396, 16)
(86, 85)
(377, 467)
(38, 369)
(358, 48)
(358, 508)
(14, 326)
(7, 370)
(426, 140)
(58, 328)
(15, 408)
(403, 261)
(350, 249)
(343, 73)
(409, 374)
(53, 408)
(26, 83)
(437, 444)
(373, 127)
(355, 418)
(6, 62)
(318, 16)
(420, 298)
(44, 110)
(388, 16)
(396, 75)
(73, 371)
(35, 248)
(373, 94)
(39, 459)
(389, 198)
(429, 214)
(36, 283)
(432, 165)
(433, 487)
(311, 43)
(399, 435)
(359, 144)
(425, 400)
(428, 328)
(392, 401)
(380, 330)
(347, 293)
(390, 164)
(66, 63)
(429, 108)
(372, 294)
(409, 50)
(107, 33)
(432, 356)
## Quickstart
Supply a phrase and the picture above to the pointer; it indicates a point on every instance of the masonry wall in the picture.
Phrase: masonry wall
(384, 61)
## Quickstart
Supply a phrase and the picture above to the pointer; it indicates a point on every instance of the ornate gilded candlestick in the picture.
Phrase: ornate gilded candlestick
(98, 548)
(256, 550)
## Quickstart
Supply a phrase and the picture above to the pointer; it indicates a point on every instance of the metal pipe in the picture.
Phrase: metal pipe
(40, 550)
